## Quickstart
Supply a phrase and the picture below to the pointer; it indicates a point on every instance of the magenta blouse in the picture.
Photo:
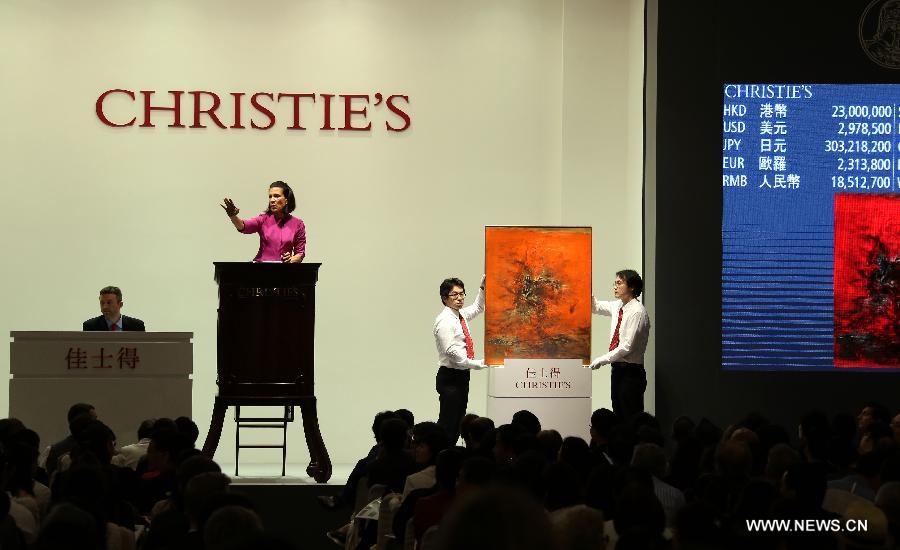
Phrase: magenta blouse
(274, 239)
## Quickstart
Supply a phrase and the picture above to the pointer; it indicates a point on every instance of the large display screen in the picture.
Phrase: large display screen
(810, 227)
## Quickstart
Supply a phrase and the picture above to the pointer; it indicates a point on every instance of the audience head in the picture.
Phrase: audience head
(79, 423)
(888, 499)
(756, 499)
(648, 434)
(496, 519)
(548, 443)
(97, 439)
(379, 418)
(407, 416)
(22, 449)
(682, 428)
(875, 535)
(734, 460)
(201, 493)
(506, 443)
(447, 467)
(164, 424)
(575, 452)
(165, 449)
(780, 458)
(191, 468)
(878, 436)
(145, 430)
(697, 525)
(187, 428)
(578, 527)
(872, 412)
(231, 527)
(68, 527)
(475, 472)
(650, 457)
(602, 423)
(464, 426)
(9, 427)
(79, 409)
(806, 484)
(563, 486)
(707, 432)
(429, 439)
(527, 421)
(639, 519)
(393, 435)
(479, 428)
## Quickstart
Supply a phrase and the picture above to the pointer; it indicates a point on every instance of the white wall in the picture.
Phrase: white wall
(602, 153)
(494, 87)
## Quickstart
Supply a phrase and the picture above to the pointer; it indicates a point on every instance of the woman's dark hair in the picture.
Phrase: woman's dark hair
(432, 435)
(93, 444)
(187, 428)
(392, 435)
(447, 466)
(288, 195)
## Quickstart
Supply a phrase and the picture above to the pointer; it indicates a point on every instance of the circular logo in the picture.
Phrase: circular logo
(879, 32)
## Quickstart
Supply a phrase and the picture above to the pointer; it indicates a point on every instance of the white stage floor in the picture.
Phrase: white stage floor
(256, 473)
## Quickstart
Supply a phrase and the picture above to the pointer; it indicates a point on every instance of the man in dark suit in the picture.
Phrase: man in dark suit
(112, 320)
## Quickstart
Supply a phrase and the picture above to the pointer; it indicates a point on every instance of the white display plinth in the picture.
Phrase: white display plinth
(557, 391)
(127, 376)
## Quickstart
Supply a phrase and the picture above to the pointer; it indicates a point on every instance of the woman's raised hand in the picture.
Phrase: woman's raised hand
(230, 208)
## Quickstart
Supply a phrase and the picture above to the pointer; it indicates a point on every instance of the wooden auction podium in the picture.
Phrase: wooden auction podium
(266, 324)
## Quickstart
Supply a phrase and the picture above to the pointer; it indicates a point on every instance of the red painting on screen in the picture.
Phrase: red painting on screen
(866, 281)
(538, 296)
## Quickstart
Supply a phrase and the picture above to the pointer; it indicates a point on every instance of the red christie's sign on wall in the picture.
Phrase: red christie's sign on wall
(259, 111)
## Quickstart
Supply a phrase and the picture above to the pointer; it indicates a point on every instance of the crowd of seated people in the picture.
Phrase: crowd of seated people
(636, 485)
(633, 485)
(85, 493)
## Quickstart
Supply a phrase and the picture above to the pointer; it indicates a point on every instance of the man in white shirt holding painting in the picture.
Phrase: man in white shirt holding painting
(629, 331)
(456, 353)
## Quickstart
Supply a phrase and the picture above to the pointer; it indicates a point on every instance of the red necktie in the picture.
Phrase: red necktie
(470, 347)
(614, 343)
(114, 327)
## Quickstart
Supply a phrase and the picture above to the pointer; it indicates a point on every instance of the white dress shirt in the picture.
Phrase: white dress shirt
(449, 337)
(130, 455)
(24, 519)
(633, 333)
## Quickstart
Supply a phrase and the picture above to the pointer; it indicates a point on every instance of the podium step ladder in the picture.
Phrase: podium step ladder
(262, 423)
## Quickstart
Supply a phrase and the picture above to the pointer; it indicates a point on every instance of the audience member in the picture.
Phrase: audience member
(578, 528)
(527, 421)
(429, 439)
(79, 414)
(497, 519)
(651, 458)
(510, 487)
(548, 443)
(478, 430)
(130, 455)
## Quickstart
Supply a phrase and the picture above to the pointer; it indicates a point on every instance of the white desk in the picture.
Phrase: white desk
(127, 376)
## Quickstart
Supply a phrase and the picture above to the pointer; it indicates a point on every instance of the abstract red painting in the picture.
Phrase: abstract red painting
(866, 280)
(538, 293)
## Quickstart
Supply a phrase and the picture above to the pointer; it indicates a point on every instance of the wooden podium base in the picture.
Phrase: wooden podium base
(320, 465)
